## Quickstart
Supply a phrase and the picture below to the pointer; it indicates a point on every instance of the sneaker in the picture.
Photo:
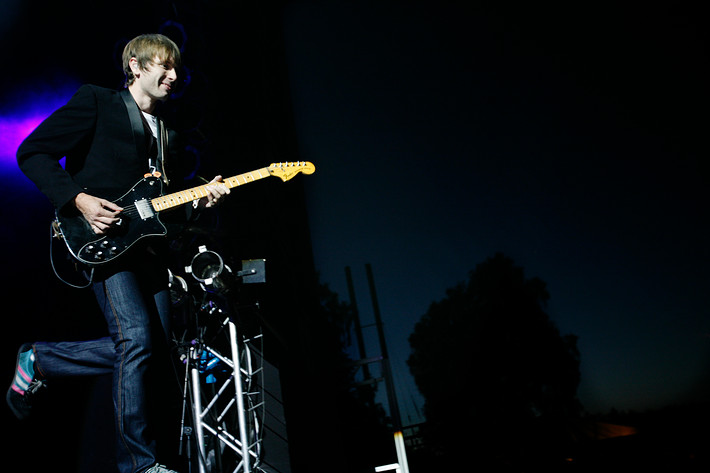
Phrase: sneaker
(159, 469)
(24, 386)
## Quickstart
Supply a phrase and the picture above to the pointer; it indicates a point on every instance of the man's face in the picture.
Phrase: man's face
(157, 79)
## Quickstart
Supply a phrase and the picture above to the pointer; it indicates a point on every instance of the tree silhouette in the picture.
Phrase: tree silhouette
(499, 381)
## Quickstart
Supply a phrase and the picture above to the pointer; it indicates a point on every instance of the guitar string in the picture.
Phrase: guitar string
(130, 210)
(190, 195)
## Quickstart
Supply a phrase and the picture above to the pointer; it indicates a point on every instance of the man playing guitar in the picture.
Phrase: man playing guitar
(110, 139)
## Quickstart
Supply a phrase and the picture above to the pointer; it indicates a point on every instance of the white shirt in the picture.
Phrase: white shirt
(152, 122)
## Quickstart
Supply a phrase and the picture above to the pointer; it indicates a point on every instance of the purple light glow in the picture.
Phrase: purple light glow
(12, 131)
(18, 121)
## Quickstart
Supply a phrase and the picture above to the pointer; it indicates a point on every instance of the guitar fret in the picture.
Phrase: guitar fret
(179, 198)
(246, 178)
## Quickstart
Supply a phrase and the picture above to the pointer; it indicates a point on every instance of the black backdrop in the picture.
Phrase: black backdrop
(235, 108)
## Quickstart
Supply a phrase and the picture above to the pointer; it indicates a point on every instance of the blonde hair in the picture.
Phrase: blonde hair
(145, 48)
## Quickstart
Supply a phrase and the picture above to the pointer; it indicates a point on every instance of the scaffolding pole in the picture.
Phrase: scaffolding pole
(387, 371)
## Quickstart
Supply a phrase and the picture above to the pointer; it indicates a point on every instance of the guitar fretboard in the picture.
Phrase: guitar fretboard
(188, 195)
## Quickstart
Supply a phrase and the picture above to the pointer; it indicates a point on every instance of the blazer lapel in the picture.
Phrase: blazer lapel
(134, 114)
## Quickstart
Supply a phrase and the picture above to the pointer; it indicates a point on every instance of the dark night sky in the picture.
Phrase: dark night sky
(568, 139)
(572, 139)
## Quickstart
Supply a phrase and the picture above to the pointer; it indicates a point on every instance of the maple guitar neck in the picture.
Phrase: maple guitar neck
(176, 199)
(285, 171)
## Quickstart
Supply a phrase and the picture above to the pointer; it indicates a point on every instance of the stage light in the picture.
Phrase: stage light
(179, 292)
(208, 268)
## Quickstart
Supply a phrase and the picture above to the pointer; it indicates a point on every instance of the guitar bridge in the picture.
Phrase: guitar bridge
(145, 211)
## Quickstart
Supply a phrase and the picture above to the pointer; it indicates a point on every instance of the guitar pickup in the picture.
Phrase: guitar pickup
(145, 211)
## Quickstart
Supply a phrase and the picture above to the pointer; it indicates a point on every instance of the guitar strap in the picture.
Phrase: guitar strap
(162, 149)
(139, 133)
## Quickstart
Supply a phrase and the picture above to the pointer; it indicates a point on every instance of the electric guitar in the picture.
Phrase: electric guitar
(140, 216)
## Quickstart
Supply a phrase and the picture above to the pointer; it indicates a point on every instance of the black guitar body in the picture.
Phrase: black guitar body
(138, 220)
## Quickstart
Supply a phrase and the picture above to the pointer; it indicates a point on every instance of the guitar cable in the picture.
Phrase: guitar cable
(53, 235)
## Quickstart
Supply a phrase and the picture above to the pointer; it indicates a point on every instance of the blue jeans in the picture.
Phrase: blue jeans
(136, 305)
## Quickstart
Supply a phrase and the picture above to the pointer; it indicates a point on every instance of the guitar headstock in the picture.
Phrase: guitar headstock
(287, 170)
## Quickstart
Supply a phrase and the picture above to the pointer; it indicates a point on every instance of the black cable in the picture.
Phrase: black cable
(54, 268)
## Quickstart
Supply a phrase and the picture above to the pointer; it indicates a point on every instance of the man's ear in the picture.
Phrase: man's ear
(133, 62)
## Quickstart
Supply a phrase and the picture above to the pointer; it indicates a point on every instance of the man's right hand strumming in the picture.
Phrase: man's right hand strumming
(101, 214)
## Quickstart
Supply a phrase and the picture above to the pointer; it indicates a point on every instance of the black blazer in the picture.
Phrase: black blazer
(101, 133)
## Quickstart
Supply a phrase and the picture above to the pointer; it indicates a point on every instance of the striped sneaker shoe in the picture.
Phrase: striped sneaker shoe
(24, 385)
